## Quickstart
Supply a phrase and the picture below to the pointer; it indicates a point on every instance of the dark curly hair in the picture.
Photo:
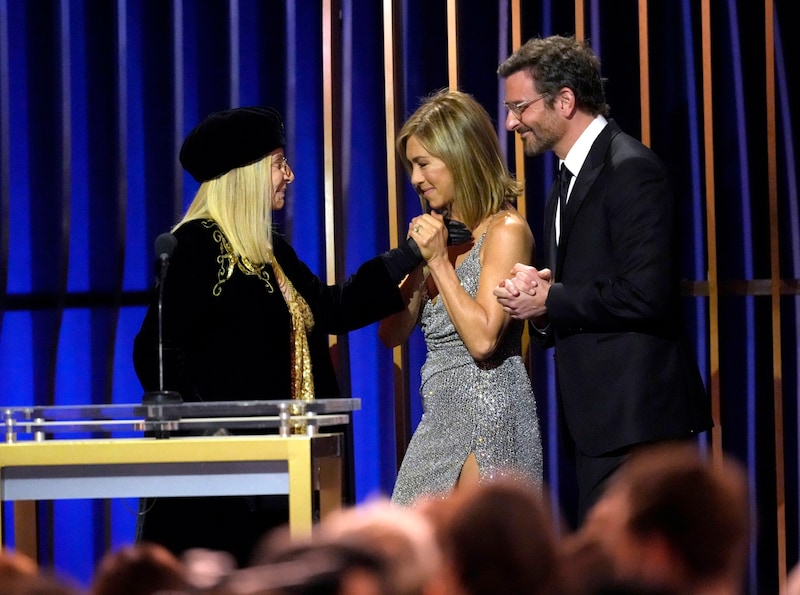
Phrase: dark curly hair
(556, 62)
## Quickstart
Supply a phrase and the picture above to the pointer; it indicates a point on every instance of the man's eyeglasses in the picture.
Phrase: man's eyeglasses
(282, 164)
(520, 106)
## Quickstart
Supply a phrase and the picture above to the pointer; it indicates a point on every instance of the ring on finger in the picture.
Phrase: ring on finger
(417, 228)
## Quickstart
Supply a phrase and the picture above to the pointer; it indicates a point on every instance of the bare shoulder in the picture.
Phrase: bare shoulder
(510, 235)
(507, 225)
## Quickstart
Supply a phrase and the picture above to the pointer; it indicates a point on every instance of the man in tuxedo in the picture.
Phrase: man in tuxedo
(608, 300)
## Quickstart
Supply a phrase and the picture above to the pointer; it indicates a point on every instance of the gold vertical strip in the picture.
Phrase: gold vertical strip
(711, 232)
(519, 152)
(26, 534)
(644, 71)
(392, 176)
(775, 287)
(392, 31)
(332, 127)
(519, 165)
(328, 140)
(452, 44)
(580, 18)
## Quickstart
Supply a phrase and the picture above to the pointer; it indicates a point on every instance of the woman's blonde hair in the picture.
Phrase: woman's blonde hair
(454, 127)
(240, 202)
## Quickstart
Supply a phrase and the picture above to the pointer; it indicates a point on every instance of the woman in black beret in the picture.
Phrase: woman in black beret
(243, 317)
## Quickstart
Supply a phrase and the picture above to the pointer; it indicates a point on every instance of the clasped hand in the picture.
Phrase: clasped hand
(432, 233)
(524, 295)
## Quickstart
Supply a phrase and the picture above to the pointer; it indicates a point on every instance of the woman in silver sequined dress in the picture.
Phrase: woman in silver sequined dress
(479, 413)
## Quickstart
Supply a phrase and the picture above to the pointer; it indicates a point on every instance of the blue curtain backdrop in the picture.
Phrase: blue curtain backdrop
(97, 95)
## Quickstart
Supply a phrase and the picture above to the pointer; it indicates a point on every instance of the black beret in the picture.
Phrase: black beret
(231, 138)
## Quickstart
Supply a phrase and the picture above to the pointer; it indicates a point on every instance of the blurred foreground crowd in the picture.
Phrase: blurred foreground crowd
(671, 522)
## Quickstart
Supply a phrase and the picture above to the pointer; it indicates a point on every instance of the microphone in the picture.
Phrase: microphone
(164, 247)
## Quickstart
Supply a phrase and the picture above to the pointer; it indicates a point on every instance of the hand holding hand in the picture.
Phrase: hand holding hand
(523, 296)
(546, 275)
(457, 232)
(430, 234)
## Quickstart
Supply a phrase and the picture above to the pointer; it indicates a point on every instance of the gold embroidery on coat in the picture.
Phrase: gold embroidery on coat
(302, 319)
(228, 262)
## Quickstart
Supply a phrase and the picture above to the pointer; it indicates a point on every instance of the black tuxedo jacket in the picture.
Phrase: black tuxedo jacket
(625, 373)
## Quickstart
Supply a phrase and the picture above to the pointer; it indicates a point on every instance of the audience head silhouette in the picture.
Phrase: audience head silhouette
(497, 536)
(139, 569)
(671, 518)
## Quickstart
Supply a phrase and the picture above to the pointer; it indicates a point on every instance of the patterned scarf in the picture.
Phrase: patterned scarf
(302, 325)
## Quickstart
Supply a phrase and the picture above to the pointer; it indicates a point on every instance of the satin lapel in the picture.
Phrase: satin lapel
(595, 161)
(580, 189)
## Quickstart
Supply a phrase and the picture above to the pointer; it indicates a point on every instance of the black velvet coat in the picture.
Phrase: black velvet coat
(228, 340)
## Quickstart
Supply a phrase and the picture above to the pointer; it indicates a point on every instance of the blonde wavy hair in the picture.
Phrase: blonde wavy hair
(454, 127)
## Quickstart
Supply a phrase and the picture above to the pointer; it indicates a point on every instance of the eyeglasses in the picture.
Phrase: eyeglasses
(520, 106)
(283, 164)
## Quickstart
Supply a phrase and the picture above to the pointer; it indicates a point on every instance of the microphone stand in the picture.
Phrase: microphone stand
(154, 400)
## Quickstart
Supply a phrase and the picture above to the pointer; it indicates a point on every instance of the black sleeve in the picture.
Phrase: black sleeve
(368, 295)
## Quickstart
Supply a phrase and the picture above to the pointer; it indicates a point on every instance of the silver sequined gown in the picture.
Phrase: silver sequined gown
(483, 407)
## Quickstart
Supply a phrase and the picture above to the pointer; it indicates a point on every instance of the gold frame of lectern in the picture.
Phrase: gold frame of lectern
(296, 465)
